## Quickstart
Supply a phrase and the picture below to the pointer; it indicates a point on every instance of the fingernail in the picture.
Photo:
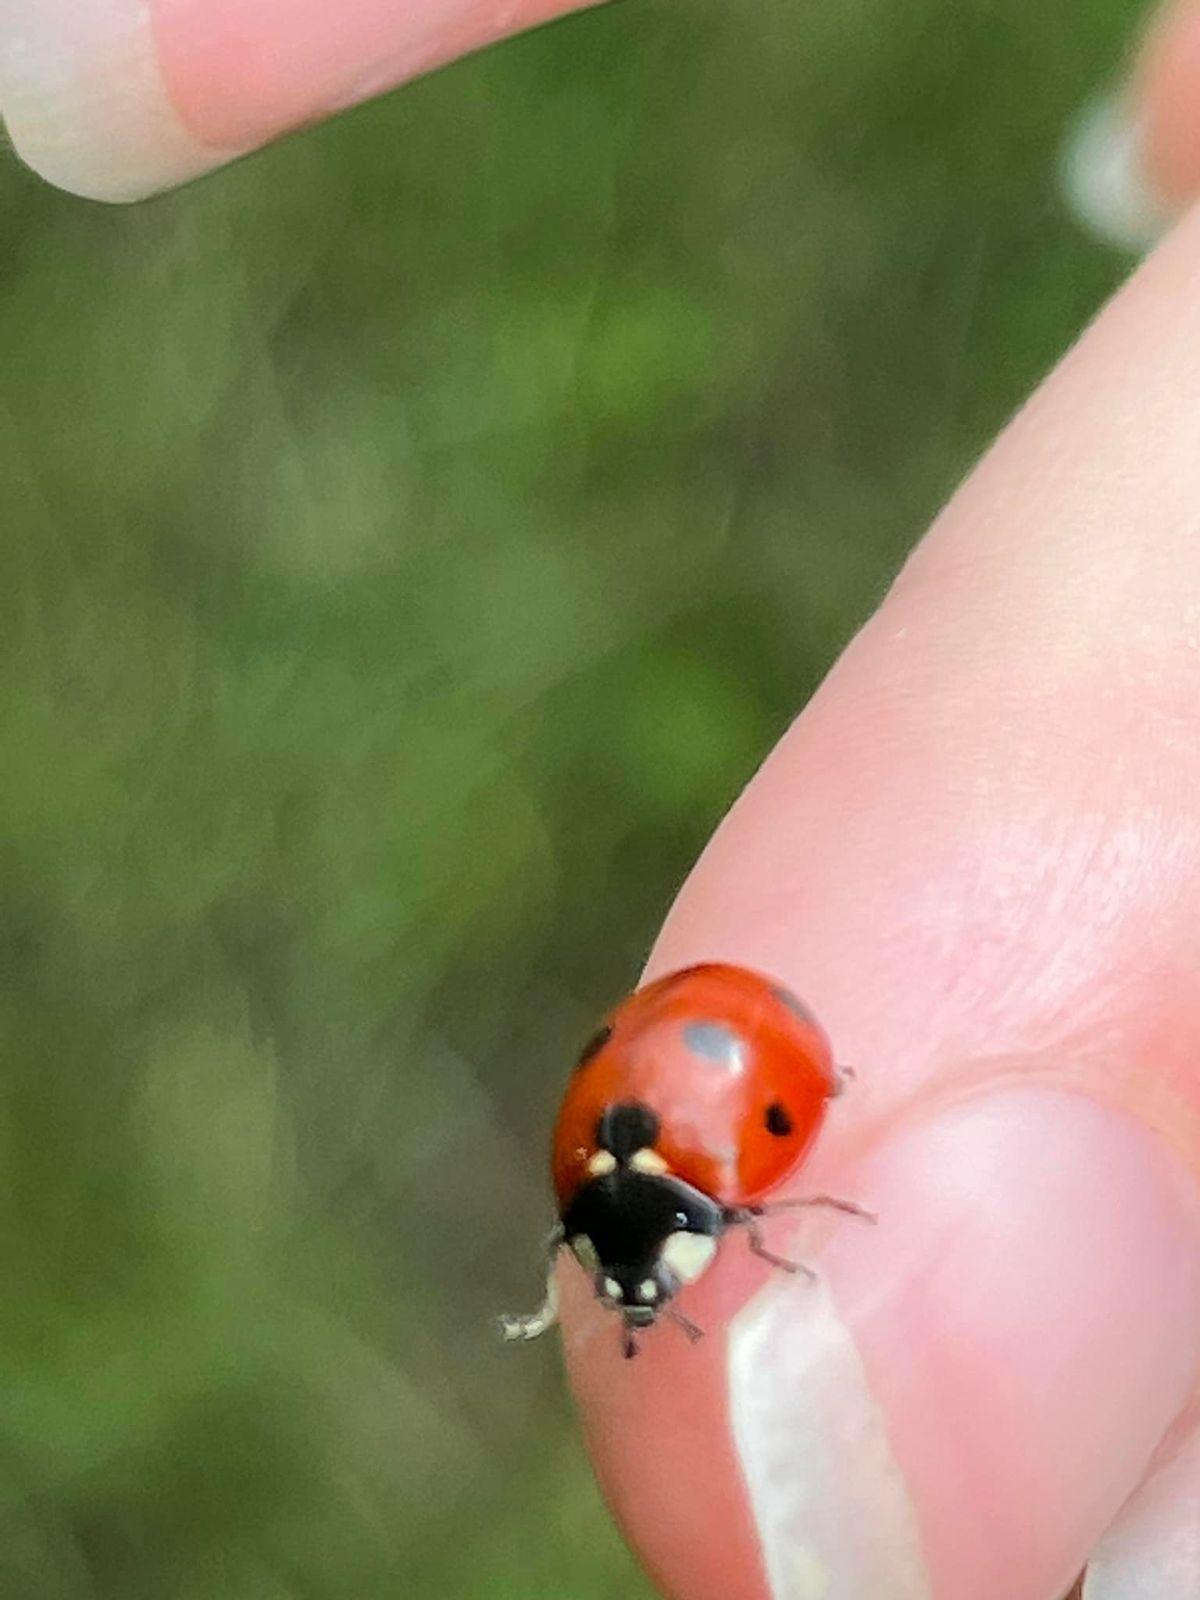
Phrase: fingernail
(983, 1377)
(1153, 1550)
(1104, 179)
(85, 104)
(117, 99)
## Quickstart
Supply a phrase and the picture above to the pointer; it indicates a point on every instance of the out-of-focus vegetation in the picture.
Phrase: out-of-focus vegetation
(412, 540)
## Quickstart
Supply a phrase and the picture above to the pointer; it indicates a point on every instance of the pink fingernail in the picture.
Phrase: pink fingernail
(965, 1406)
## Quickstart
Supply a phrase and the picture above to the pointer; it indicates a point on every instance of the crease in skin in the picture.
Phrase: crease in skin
(808, 1400)
(1110, 1075)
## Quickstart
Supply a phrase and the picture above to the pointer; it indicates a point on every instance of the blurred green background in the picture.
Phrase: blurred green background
(412, 540)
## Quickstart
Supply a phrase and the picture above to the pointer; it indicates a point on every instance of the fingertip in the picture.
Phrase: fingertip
(1131, 160)
(85, 104)
(1166, 94)
(1130, 163)
(119, 99)
(1105, 179)
(936, 1415)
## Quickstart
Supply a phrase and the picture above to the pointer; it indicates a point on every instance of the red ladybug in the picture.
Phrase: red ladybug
(698, 1096)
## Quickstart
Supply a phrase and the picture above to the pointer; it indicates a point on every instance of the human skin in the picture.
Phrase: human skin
(118, 99)
(1166, 94)
(977, 855)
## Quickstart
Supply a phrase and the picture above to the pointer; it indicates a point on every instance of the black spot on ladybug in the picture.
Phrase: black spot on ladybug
(715, 1042)
(777, 1121)
(626, 1128)
(795, 1006)
(594, 1046)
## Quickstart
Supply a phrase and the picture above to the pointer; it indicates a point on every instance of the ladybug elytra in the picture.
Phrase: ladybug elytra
(698, 1096)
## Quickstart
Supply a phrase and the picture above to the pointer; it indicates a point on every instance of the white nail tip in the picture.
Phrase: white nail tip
(1153, 1549)
(798, 1394)
(84, 103)
(1102, 179)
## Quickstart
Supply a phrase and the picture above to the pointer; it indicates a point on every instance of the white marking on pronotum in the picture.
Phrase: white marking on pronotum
(647, 1290)
(832, 1509)
(648, 1161)
(612, 1288)
(602, 1163)
(688, 1254)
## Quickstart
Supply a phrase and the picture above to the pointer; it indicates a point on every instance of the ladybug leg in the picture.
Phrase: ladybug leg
(758, 1245)
(844, 1075)
(748, 1218)
(693, 1330)
(629, 1347)
(537, 1322)
(850, 1208)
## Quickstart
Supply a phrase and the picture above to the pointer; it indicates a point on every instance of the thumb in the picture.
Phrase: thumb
(977, 855)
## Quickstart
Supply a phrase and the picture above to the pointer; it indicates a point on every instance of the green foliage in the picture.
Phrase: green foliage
(413, 540)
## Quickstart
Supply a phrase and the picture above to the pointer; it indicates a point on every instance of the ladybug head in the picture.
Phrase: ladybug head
(638, 1231)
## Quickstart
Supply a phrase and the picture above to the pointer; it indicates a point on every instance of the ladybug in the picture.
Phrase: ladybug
(695, 1099)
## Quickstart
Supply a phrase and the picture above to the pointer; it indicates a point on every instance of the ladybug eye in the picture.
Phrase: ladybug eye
(776, 1120)
(594, 1045)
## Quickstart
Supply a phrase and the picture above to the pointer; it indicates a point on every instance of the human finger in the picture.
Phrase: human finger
(1132, 159)
(977, 855)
